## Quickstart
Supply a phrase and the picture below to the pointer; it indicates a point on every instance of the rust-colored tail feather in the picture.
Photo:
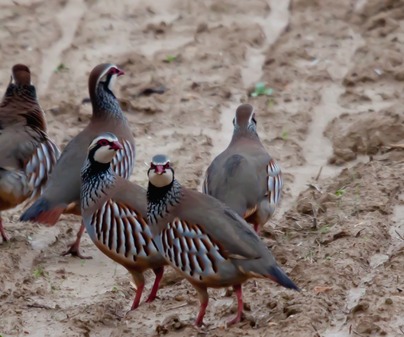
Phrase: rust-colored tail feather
(41, 212)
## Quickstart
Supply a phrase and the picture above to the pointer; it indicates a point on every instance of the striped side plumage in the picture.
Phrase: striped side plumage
(122, 230)
(275, 183)
(191, 250)
(124, 161)
(40, 165)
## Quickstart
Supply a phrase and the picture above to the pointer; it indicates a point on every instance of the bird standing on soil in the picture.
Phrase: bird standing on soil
(204, 239)
(244, 176)
(114, 212)
(27, 154)
(62, 193)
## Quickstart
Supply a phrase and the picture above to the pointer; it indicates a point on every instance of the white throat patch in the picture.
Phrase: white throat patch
(112, 81)
(161, 180)
(104, 155)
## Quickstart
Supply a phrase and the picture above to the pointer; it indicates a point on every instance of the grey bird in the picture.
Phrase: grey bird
(244, 176)
(114, 212)
(28, 155)
(204, 239)
(62, 192)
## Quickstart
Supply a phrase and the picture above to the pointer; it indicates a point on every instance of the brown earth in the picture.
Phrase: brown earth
(334, 121)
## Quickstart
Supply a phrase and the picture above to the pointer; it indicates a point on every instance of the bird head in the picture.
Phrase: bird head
(244, 119)
(103, 148)
(160, 172)
(20, 75)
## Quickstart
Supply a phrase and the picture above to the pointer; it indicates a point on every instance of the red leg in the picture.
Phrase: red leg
(3, 232)
(74, 249)
(153, 294)
(201, 314)
(138, 295)
(204, 299)
(239, 294)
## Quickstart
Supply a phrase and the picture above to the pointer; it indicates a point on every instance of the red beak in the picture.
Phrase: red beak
(120, 72)
(116, 146)
(159, 169)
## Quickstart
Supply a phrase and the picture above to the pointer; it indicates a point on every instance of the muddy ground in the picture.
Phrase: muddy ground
(334, 120)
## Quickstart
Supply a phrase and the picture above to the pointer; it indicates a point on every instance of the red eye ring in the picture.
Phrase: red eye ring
(103, 142)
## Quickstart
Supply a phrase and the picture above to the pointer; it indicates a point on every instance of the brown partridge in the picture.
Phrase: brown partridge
(204, 239)
(245, 176)
(62, 193)
(27, 154)
(114, 212)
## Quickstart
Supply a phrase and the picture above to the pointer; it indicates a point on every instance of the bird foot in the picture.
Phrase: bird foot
(75, 251)
(235, 320)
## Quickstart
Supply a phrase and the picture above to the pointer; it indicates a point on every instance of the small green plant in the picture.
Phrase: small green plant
(115, 289)
(262, 90)
(324, 229)
(340, 192)
(284, 135)
(39, 272)
(170, 58)
(61, 67)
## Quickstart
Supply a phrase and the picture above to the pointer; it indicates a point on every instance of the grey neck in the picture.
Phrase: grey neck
(239, 133)
(105, 103)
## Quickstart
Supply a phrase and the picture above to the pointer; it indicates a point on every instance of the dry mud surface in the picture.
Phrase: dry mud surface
(335, 122)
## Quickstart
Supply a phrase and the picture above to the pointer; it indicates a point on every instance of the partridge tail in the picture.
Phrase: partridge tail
(41, 211)
(277, 275)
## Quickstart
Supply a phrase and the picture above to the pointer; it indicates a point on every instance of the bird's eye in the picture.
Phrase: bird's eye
(103, 142)
(153, 166)
(166, 165)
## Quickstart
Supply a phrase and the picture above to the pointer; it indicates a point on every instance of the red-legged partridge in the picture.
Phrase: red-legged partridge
(27, 154)
(204, 239)
(245, 176)
(62, 193)
(114, 212)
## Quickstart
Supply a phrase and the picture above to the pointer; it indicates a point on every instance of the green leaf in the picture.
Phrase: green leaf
(260, 86)
(324, 229)
(61, 67)
(284, 135)
(340, 192)
(170, 58)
